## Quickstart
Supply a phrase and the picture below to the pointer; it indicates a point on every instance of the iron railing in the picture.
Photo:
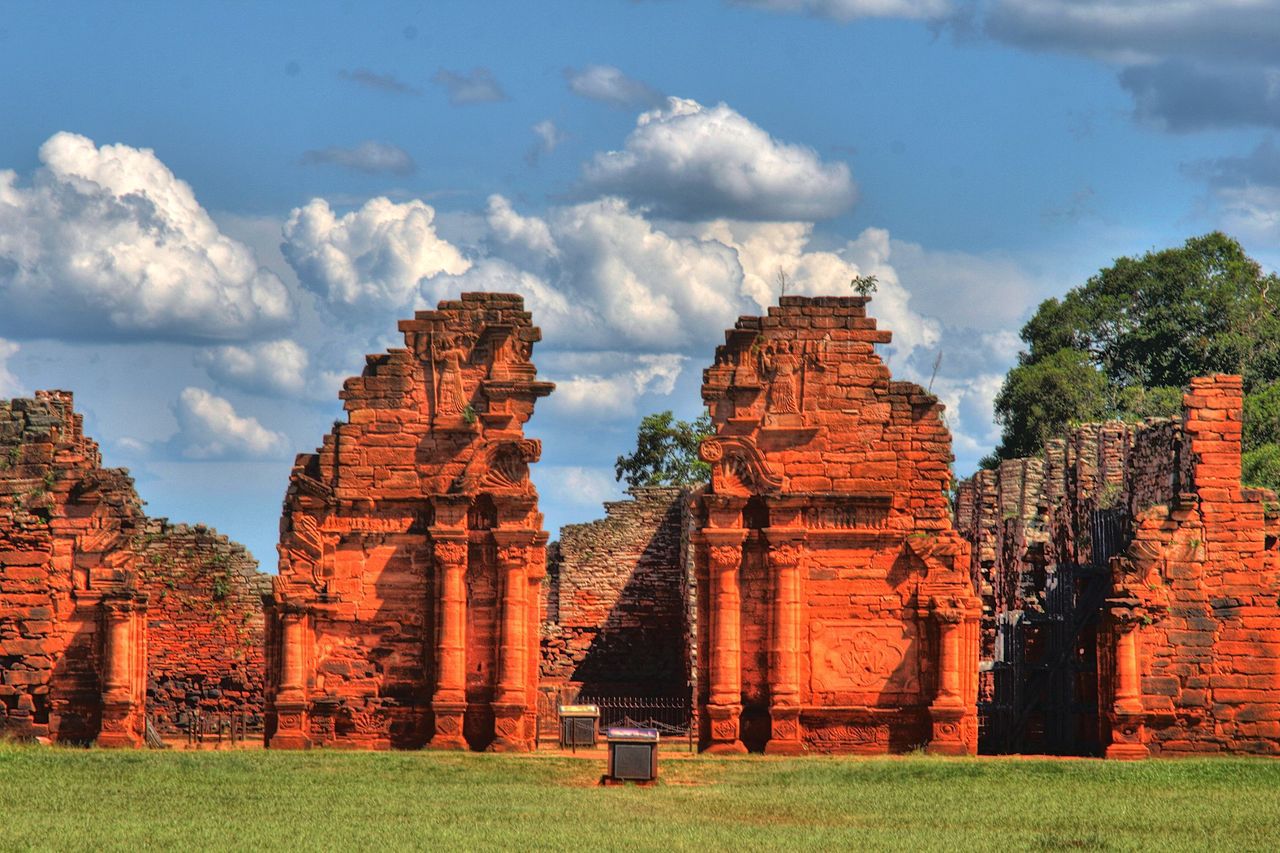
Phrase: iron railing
(673, 717)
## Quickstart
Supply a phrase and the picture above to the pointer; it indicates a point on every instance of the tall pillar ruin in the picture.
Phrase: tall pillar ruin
(834, 598)
(406, 611)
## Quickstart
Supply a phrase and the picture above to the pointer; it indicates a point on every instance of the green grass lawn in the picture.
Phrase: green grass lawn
(65, 799)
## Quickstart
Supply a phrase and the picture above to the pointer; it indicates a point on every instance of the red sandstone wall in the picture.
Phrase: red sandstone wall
(65, 567)
(406, 608)
(617, 623)
(834, 602)
(101, 607)
(205, 625)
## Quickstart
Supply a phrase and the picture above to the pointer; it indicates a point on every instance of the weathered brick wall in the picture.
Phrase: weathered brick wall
(406, 609)
(616, 613)
(205, 625)
(75, 548)
(835, 610)
(1188, 634)
(65, 568)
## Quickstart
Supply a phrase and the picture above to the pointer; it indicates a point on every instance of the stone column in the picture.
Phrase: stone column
(948, 709)
(1127, 714)
(291, 696)
(724, 706)
(512, 694)
(784, 556)
(537, 573)
(449, 703)
(123, 712)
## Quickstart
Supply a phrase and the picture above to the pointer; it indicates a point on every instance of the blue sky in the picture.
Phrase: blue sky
(208, 213)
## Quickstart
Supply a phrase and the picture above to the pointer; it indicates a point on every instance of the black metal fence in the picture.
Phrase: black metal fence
(221, 728)
(673, 717)
(1043, 681)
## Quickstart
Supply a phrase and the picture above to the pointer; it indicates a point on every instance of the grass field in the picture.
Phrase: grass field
(65, 799)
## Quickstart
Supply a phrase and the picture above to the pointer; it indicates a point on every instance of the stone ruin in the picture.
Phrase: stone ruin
(108, 617)
(833, 594)
(1130, 589)
(619, 603)
(412, 553)
(1117, 596)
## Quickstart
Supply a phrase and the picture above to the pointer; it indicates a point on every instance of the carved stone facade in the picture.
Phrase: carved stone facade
(412, 551)
(833, 594)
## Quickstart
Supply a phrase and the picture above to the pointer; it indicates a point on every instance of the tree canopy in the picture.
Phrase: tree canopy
(666, 452)
(1124, 343)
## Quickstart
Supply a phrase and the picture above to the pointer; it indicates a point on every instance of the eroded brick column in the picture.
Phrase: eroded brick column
(948, 707)
(449, 703)
(786, 549)
(123, 711)
(1127, 712)
(290, 704)
(724, 552)
(512, 700)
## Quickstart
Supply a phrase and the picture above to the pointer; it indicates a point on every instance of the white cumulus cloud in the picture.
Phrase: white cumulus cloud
(209, 428)
(270, 367)
(848, 10)
(9, 386)
(688, 161)
(608, 85)
(608, 385)
(368, 261)
(577, 485)
(106, 242)
(548, 138)
(476, 87)
(599, 275)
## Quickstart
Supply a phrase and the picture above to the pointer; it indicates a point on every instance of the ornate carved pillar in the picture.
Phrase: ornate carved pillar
(291, 697)
(786, 549)
(537, 574)
(449, 702)
(509, 708)
(948, 709)
(724, 706)
(1128, 717)
(123, 708)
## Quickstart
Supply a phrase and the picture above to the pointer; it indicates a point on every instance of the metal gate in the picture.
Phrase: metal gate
(1044, 679)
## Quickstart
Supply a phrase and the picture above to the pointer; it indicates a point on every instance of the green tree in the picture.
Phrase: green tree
(1262, 416)
(666, 452)
(1144, 326)
(1261, 467)
(1039, 398)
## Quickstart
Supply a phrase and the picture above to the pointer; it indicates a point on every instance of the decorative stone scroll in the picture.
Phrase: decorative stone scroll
(864, 656)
